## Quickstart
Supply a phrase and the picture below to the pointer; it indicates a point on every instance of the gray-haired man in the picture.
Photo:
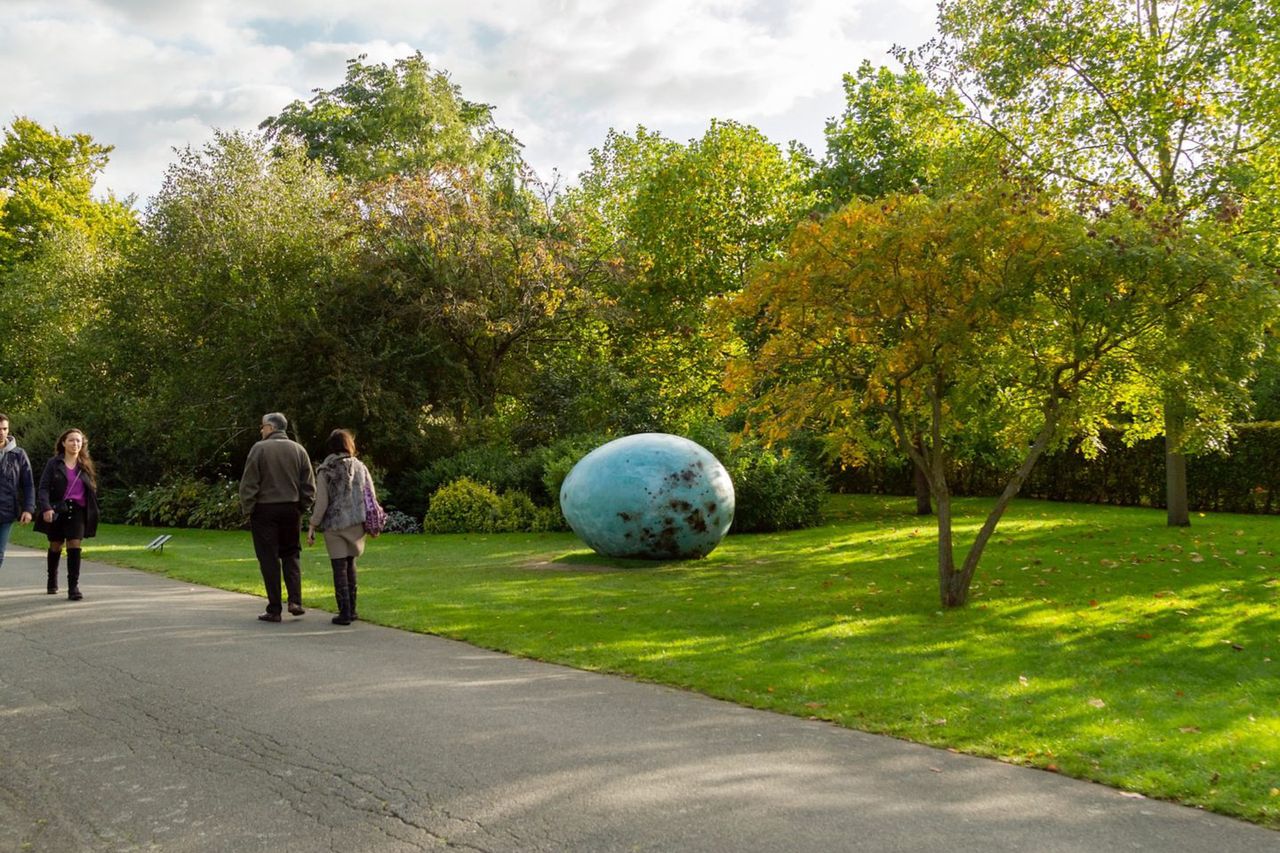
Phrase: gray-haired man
(277, 486)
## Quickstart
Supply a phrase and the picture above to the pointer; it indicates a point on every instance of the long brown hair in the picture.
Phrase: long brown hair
(83, 461)
(341, 441)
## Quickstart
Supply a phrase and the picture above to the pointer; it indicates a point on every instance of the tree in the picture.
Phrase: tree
(677, 227)
(46, 181)
(994, 312)
(385, 120)
(493, 282)
(1170, 102)
(224, 296)
(57, 244)
(896, 134)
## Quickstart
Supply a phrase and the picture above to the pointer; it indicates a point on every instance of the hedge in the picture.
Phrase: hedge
(1245, 477)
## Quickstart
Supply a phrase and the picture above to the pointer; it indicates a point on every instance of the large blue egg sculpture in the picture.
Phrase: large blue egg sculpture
(649, 495)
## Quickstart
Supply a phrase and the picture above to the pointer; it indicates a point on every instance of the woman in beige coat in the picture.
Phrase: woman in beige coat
(339, 511)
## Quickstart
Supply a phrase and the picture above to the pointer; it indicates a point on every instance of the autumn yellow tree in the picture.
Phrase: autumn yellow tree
(998, 313)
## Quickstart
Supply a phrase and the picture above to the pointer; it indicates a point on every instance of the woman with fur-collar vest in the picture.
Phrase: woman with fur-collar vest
(339, 511)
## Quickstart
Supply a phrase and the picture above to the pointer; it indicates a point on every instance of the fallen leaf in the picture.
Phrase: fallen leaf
(1097, 703)
(1189, 730)
(1022, 679)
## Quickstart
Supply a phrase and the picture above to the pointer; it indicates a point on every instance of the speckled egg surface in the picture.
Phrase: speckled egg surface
(649, 495)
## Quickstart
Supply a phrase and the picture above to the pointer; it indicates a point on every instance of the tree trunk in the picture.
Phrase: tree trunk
(921, 481)
(956, 591)
(952, 592)
(1175, 462)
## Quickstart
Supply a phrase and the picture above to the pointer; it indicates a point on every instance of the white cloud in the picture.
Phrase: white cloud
(148, 75)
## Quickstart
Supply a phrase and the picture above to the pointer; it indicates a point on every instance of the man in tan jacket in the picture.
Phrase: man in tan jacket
(277, 486)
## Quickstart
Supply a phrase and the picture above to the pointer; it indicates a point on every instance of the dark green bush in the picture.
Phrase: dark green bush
(773, 491)
(558, 460)
(188, 502)
(500, 467)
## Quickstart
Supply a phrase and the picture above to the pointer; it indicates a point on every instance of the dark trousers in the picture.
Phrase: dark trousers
(277, 542)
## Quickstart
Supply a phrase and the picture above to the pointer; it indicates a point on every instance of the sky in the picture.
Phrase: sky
(152, 76)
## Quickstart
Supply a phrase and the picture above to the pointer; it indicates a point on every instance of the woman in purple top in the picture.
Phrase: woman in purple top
(67, 507)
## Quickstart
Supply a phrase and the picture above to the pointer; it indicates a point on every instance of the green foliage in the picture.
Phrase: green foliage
(1166, 102)
(500, 467)
(517, 513)
(558, 460)
(463, 506)
(187, 502)
(232, 293)
(486, 275)
(895, 135)
(46, 181)
(388, 120)
(773, 492)
(59, 251)
(999, 314)
(672, 228)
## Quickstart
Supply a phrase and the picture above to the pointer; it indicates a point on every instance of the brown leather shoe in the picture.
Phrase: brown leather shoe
(269, 617)
(296, 610)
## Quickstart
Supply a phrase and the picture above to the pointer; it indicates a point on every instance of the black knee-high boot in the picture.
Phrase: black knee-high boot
(340, 592)
(52, 559)
(73, 574)
(351, 585)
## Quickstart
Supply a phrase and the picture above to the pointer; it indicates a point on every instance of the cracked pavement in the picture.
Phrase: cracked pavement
(157, 715)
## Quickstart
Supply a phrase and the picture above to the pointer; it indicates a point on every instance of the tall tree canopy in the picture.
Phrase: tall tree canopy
(58, 245)
(489, 285)
(407, 117)
(680, 226)
(240, 251)
(896, 133)
(1168, 101)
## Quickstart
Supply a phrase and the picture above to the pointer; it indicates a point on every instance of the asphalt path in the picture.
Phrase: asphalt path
(157, 715)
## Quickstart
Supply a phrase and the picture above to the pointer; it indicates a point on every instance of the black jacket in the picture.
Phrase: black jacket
(53, 487)
(17, 486)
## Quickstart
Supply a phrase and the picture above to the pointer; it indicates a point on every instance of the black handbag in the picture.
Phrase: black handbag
(65, 508)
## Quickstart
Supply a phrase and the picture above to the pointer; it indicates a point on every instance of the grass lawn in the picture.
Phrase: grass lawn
(1098, 642)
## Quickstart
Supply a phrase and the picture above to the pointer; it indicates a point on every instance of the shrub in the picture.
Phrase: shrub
(517, 513)
(113, 506)
(401, 522)
(558, 460)
(463, 506)
(500, 467)
(772, 491)
(188, 502)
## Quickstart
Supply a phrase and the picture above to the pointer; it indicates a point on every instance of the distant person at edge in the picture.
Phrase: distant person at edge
(341, 481)
(68, 500)
(17, 486)
(277, 487)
